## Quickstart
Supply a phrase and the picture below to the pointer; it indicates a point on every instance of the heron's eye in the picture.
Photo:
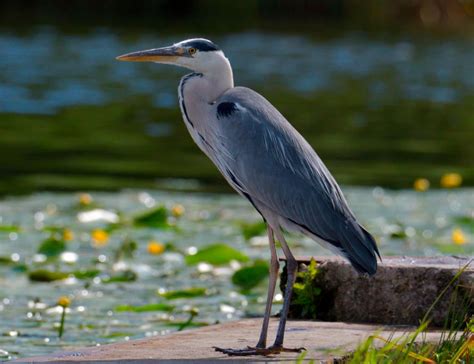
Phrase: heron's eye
(192, 51)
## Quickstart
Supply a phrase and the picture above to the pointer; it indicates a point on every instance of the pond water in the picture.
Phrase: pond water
(94, 237)
(380, 109)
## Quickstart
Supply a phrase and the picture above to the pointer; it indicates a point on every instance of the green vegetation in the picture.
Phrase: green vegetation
(184, 293)
(216, 254)
(145, 308)
(113, 151)
(305, 294)
(251, 276)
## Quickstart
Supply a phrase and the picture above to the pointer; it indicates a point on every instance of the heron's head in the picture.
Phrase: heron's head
(197, 54)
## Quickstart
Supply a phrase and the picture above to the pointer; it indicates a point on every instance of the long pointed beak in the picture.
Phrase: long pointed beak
(165, 55)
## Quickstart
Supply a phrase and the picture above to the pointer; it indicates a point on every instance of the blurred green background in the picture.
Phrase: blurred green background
(383, 90)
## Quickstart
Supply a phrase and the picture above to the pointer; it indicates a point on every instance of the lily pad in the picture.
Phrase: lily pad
(52, 247)
(216, 254)
(249, 277)
(86, 274)
(44, 275)
(156, 218)
(124, 276)
(145, 308)
(9, 228)
(185, 324)
(6, 260)
(184, 293)
(466, 221)
(249, 230)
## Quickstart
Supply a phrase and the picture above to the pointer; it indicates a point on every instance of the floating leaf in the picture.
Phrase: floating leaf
(216, 254)
(145, 308)
(249, 230)
(9, 228)
(124, 276)
(249, 277)
(86, 274)
(157, 218)
(184, 293)
(183, 324)
(52, 247)
(44, 275)
(467, 221)
(126, 250)
(117, 334)
(6, 260)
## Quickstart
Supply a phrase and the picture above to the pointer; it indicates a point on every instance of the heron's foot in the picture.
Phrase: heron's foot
(272, 350)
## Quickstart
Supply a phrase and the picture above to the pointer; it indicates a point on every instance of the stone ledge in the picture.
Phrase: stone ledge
(400, 293)
(323, 340)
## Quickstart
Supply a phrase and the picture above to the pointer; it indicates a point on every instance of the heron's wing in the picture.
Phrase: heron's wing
(273, 165)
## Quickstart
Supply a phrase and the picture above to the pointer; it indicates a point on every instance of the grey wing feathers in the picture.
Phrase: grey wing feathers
(277, 168)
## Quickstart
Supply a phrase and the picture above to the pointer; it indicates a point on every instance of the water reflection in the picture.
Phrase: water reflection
(378, 110)
(47, 70)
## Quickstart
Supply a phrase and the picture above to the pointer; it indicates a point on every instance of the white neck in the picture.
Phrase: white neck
(216, 75)
(216, 79)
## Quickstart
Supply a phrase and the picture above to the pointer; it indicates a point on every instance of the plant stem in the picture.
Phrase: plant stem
(61, 326)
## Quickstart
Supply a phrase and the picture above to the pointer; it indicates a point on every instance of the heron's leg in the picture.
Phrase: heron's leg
(291, 268)
(277, 347)
(274, 267)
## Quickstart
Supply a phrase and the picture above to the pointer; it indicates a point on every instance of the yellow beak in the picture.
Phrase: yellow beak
(165, 54)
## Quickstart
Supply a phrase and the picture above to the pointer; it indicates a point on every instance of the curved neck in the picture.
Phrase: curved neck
(214, 80)
(219, 78)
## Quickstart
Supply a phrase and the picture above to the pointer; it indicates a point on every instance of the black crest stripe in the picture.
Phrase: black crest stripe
(202, 45)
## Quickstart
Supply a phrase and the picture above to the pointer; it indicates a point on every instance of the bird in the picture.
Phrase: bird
(268, 162)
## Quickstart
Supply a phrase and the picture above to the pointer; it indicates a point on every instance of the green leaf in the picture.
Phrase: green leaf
(117, 334)
(145, 308)
(305, 292)
(249, 277)
(250, 230)
(157, 218)
(454, 249)
(86, 274)
(217, 254)
(184, 324)
(9, 228)
(466, 221)
(126, 250)
(52, 247)
(44, 275)
(6, 260)
(124, 276)
(184, 293)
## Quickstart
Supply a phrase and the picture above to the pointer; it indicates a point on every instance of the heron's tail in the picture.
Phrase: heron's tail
(359, 247)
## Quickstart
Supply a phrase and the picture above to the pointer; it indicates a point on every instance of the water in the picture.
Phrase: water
(404, 223)
(379, 110)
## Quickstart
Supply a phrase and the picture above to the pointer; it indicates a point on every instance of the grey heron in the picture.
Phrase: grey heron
(266, 161)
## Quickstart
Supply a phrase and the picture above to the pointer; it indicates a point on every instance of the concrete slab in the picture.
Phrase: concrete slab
(323, 340)
(400, 293)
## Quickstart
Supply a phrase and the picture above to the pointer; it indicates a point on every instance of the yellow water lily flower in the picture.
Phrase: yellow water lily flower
(99, 237)
(421, 184)
(177, 210)
(68, 235)
(458, 237)
(64, 301)
(85, 199)
(155, 248)
(451, 180)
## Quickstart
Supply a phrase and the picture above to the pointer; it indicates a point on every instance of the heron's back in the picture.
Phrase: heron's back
(274, 166)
